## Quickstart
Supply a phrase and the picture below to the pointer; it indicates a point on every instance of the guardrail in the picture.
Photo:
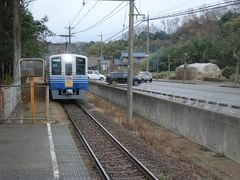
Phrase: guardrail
(192, 101)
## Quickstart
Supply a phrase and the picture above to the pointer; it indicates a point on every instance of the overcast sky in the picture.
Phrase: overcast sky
(61, 12)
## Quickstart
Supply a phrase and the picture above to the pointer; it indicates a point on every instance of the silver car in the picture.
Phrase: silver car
(145, 76)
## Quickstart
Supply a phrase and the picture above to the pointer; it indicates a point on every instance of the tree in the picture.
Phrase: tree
(33, 36)
(111, 49)
(6, 39)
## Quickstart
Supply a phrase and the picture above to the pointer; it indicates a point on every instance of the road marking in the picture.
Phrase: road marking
(53, 154)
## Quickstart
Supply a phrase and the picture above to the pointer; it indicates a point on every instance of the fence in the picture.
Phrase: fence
(16, 106)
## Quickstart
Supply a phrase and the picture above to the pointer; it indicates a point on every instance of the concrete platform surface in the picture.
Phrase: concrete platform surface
(25, 152)
(70, 164)
(40, 151)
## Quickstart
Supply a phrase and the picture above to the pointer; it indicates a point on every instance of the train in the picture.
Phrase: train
(67, 76)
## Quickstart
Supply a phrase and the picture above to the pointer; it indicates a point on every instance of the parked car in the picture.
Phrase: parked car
(121, 78)
(95, 75)
(145, 76)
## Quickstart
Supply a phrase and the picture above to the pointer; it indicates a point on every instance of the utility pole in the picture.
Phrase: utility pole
(169, 65)
(130, 58)
(185, 67)
(69, 50)
(130, 62)
(101, 58)
(237, 67)
(16, 39)
(69, 35)
(148, 41)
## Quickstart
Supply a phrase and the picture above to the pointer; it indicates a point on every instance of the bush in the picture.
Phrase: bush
(228, 71)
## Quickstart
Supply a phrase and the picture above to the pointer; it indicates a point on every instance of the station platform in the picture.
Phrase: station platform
(39, 151)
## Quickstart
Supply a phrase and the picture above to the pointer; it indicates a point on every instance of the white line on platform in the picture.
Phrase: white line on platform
(53, 154)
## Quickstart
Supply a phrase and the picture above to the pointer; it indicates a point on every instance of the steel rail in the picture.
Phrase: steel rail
(89, 149)
(148, 174)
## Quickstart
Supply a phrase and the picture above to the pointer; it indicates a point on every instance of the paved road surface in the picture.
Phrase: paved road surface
(209, 92)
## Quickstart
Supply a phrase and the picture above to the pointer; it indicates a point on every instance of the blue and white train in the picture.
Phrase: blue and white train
(68, 76)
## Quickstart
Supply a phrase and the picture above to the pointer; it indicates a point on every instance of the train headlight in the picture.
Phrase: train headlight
(67, 58)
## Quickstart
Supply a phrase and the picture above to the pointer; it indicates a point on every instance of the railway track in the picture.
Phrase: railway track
(113, 160)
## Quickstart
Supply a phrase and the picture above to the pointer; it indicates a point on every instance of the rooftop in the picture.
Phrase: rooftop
(135, 55)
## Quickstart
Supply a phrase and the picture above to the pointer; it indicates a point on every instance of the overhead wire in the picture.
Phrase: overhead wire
(94, 6)
(196, 10)
(136, 24)
(78, 13)
(140, 6)
(125, 16)
(181, 13)
(105, 18)
(174, 7)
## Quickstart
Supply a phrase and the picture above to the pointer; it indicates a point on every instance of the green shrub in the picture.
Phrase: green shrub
(228, 71)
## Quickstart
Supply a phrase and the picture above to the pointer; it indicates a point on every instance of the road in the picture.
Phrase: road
(207, 91)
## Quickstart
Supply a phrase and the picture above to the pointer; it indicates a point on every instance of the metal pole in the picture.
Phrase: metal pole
(185, 67)
(101, 58)
(47, 103)
(185, 71)
(148, 41)
(169, 64)
(237, 68)
(69, 40)
(130, 62)
(237, 73)
(32, 95)
(69, 37)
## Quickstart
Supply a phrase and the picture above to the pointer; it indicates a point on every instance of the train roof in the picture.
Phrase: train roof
(56, 55)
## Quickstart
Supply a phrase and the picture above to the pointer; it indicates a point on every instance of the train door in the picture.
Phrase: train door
(68, 69)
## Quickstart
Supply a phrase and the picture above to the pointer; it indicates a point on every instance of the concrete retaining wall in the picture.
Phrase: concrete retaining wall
(218, 132)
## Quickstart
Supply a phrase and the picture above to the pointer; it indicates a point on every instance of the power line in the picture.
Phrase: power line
(94, 6)
(140, 6)
(196, 10)
(181, 13)
(137, 24)
(78, 12)
(104, 18)
(125, 16)
(175, 6)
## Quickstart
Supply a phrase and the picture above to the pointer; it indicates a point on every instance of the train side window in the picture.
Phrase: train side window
(80, 66)
(68, 69)
(56, 66)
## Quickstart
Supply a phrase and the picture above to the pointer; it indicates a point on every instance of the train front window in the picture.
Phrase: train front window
(80, 66)
(56, 66)
(68, 69)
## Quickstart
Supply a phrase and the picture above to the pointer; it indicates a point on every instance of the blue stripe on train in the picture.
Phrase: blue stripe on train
(76, 86)
(58, 82)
